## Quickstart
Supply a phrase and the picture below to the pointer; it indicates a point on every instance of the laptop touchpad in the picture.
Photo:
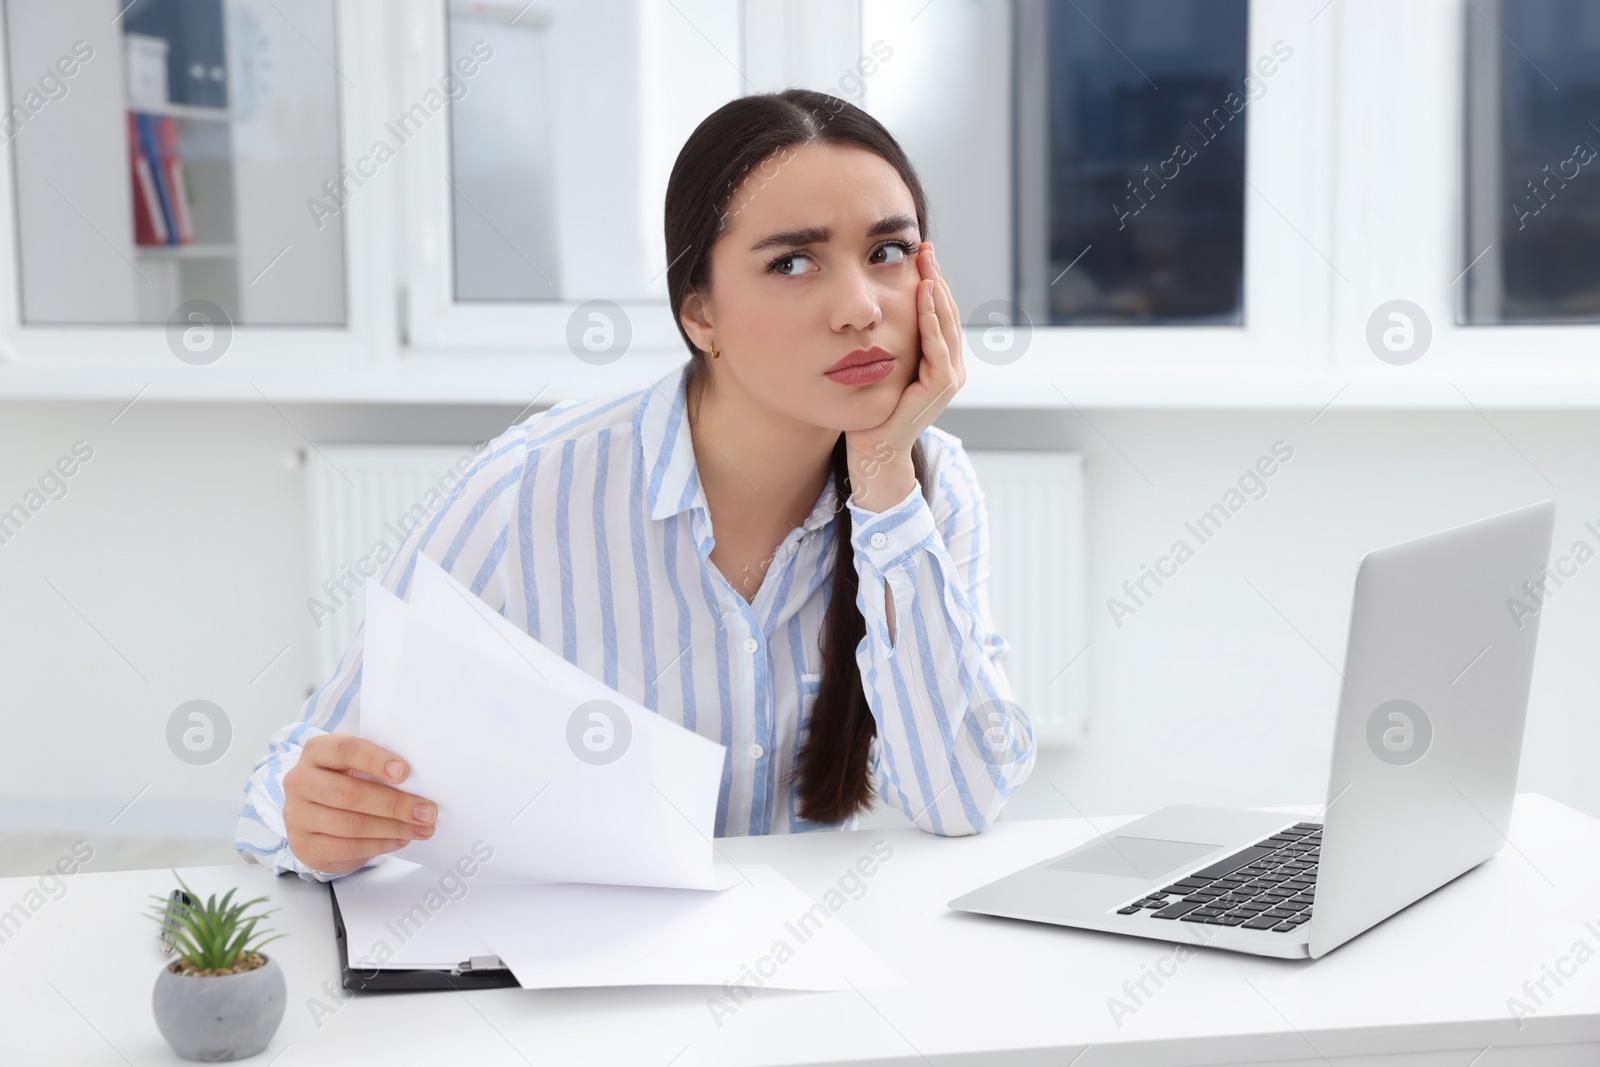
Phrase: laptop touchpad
(1132, 857)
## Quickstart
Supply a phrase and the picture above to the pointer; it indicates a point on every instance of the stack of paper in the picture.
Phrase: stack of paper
(760, 933)
(574, 837)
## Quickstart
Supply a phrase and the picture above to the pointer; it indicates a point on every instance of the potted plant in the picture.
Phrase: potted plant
(221, 999)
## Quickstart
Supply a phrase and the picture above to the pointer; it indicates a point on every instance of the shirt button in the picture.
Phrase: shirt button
(756, 751)
(879, 540)
(751, 644)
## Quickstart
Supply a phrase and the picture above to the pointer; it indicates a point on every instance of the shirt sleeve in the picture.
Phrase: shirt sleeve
(464, 526)
(952, 746)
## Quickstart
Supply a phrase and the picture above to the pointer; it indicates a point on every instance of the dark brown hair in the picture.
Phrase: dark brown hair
(760, 131)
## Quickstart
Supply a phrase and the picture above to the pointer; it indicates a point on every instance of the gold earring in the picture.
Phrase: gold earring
(714, 352)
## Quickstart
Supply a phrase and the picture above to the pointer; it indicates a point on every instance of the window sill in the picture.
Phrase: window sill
(523, 380)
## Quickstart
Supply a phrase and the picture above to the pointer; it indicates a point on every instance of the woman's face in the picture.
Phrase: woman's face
(817, 260)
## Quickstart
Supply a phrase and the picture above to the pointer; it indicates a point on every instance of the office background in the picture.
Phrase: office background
(1172, 331)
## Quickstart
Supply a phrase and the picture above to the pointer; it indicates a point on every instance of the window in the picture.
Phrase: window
(1532, 80)
(563, 136)
(1144, 162)
(176, 154)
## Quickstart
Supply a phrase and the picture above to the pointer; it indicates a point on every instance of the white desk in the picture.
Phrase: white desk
(1427, 987)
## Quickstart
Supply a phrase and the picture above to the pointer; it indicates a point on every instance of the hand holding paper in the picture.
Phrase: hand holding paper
(342, 804)
(566, 778)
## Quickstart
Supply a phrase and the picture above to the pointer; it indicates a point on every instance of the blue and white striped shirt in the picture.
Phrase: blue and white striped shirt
(587, 526)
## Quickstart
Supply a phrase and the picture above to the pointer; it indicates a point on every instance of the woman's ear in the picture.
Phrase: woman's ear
(696, 319)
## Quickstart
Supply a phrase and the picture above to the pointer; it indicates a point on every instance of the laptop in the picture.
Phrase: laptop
(1425, 751)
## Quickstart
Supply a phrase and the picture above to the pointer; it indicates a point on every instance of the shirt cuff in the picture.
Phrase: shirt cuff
(888, 538)
(289, 863)
(284, 861)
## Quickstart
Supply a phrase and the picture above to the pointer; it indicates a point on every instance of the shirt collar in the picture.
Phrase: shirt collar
(672, 478)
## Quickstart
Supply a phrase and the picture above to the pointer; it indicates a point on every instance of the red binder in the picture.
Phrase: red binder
(149, 223)
(172, 175)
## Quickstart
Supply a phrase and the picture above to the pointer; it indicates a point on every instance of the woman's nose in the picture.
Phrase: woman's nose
(856, 303)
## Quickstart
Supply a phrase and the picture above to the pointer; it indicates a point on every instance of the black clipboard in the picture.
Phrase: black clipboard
(479, 972)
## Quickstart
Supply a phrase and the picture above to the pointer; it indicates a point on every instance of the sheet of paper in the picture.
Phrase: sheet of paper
(551, 773)
(399, 915)
(761, 932)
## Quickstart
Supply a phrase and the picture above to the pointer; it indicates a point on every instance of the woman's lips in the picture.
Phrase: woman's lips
(863, 373)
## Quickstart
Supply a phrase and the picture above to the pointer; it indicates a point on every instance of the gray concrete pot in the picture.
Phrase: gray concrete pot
(220, 1018)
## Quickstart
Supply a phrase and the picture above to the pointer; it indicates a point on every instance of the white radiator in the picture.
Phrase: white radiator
(1038, 583)
(363, 499)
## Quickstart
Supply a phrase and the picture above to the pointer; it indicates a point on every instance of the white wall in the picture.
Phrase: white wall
(1207, 695)
(183, 543)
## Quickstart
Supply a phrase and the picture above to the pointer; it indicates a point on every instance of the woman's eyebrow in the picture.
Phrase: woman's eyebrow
(808, 235)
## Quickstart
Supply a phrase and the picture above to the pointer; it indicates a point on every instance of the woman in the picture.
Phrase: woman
(839, 644)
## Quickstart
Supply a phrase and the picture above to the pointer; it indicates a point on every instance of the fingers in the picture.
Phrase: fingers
(929, 323)
(334, 789)
(346, 752)
(949, 320)
(321, 820)
(338, 855)
(934, 324)
(336, 821)
(952, 327)
(333, 855)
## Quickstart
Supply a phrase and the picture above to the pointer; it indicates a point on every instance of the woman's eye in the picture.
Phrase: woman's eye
(779, 265)
(905, 250)
(897, 252)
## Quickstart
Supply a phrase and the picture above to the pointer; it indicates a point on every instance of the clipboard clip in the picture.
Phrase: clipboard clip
(478, 965)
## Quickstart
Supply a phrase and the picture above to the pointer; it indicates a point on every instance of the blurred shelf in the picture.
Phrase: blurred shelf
(194, 251)
(185, 111)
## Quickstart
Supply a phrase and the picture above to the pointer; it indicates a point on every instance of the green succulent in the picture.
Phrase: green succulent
(215, 935)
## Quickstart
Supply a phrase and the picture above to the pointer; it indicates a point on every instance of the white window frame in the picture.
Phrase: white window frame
(494, 348)
(1400, 203)
(1285, 233)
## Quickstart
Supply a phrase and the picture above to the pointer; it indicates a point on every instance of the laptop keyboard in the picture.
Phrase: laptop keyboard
(1267, 886)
